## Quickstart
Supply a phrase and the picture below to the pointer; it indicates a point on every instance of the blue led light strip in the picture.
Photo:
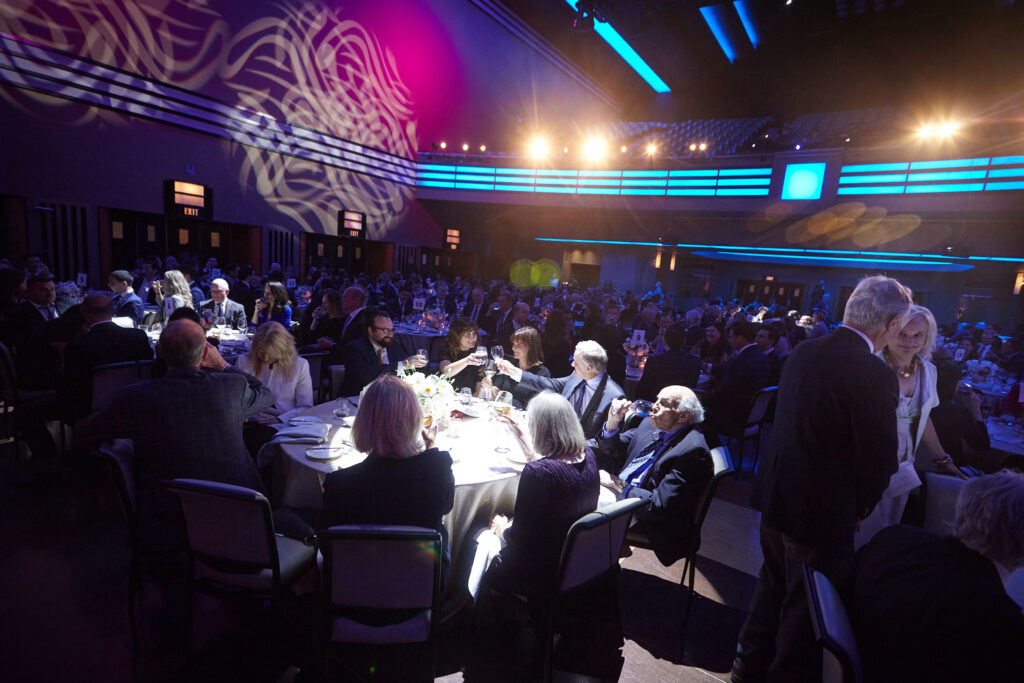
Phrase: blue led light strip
(932, 177)
(618, 43)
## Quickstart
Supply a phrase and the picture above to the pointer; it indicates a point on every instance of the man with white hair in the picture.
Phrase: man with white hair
(219, 305)
(665, 462)
(830, 456)
(589, 388)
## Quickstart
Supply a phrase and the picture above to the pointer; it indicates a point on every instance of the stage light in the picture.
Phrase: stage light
(798, 146)
(594, 149)
(565, 150)
(623, 149)
(693, 147)
(444, 145)
(538, 148)
(947, 129)
(651, 149)
(702, 146)
(483, 148)
(847, 139)
(465, 146)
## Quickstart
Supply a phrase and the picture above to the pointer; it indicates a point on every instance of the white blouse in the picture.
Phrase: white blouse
(291, 394)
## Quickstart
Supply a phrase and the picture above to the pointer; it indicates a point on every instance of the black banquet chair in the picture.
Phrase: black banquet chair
(832, 629)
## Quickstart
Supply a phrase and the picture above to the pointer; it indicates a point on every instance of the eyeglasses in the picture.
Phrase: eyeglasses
(389, 330)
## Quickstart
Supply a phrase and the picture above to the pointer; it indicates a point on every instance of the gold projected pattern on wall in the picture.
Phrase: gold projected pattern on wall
(313, 74)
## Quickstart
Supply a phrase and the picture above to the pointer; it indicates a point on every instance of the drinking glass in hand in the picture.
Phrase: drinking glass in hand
(423, 353)
(642, 408)
(497, 352)
(481, 353)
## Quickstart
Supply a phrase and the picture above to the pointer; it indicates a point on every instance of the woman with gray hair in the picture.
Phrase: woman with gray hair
(557, 487)
(909, 357)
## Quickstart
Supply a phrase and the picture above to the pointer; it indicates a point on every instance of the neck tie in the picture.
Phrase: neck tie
(476, 312)
(577, 401)
(641, 461)
(219, 312)
(48, 313)
(380, 356)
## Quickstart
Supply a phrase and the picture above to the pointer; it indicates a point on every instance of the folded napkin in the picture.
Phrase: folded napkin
(303, 433)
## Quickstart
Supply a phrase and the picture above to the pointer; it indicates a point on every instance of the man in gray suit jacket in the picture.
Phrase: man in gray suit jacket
(233, 312)
(589, 388)
(185, 424)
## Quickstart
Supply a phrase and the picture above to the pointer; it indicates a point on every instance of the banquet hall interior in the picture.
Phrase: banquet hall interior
(679, 154)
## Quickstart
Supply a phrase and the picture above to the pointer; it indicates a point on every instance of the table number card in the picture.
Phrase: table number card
(419, 303)
(214, 273)
(290, 284)
(638, 337)
(83, 279)
(959, 355)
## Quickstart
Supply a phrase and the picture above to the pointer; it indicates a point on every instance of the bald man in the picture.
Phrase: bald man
(185, 424)
(220, 305)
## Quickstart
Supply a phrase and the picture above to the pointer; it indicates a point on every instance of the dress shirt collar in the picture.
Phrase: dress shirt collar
(746, 347)
(871, 344)
(1004, 573)
(101, 322)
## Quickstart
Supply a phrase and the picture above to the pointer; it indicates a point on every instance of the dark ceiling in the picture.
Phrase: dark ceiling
(946, 56)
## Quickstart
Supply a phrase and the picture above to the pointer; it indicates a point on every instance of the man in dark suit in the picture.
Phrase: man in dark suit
(185, 424)
(1013, 357)
(143, 285)
(243, 290)
(476, 305)
(829, 458)
(589, 388)
(220, 305)
(105, 342)
(368, 358)
(665, 462)
(766, 339)
(748, 371)
(24, 320)
(441, 300)
(127, 303)
(925, 608)
(499, 318)
(673, 367)
(694, 330)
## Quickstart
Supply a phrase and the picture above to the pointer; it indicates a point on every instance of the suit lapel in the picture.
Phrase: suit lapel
(595, 400)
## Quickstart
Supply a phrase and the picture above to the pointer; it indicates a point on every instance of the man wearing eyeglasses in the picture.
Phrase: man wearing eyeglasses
(373, 355)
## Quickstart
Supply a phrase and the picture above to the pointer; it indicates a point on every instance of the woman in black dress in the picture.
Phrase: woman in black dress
(459, 361)
(526, 346)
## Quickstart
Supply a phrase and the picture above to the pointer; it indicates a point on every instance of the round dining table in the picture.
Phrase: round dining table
(487, 460)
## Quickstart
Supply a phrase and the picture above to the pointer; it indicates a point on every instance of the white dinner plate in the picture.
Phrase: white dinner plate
(303, 420)
(325, 453)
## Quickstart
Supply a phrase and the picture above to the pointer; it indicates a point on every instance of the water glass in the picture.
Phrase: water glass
(423, 352)
(497, 352)
(465, 395)
(642, 408)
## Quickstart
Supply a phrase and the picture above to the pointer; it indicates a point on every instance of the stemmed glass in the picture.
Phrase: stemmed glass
(503, 406)
(497, 352)
(220, 323)
(481, 352)
(423, 352)
(490, 369)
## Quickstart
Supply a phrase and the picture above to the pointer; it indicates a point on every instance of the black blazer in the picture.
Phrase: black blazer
(742, 377)
(521, 393)
(672, 487)
(234, 312)
(361, 366)
(833, 443)
(668, 369)
(104, 343)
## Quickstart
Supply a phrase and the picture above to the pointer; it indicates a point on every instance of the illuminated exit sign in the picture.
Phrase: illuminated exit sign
(188, 200)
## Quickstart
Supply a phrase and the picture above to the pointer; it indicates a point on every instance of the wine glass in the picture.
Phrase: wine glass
(503, 403)
(497, 352)
(423, 353)
(490, 369)
(220, 323)
(481, 353)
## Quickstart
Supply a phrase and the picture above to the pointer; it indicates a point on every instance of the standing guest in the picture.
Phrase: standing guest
(238, 280)
(127, 303)
(104, 343)
(673, 367)
(459, 361)
(529, 355)
(909, 357)
(748, 372)
(589, 389)
(925, 608)
(767, 339)
(397, 483)
(185, 424)
(173, 293)
(220, 306)
(273, 305)
(556, 342)
(368, 358)
(665, 462)
(831, 453)
(273, 361)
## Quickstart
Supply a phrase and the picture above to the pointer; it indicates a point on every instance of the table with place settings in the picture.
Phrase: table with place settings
(487, 460)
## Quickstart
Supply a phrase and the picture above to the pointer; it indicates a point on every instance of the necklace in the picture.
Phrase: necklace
(911, 370)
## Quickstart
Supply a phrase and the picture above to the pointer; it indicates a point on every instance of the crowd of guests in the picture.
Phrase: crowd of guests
(861, 410)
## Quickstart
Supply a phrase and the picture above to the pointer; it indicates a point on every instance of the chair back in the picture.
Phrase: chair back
(940, 494)
(316, 371)
(832, 629)
(108, 379)
(119, 457)
(594, 543)
(722, 468)
(229, 527)
(382, 567)
(337, 380)
(760, 406)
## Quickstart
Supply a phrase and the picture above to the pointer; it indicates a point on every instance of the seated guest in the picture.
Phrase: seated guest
(321, 326)
(24, 320)
(441, 300)
(274, 362)
(274, 305)
(185, 424)
(695, 333)
(665, 462)
(714, 349)
(104, 343)
(173, 293)
(611, 335)
(674, 366)
(957, 418)
(402, 308)
(368, 358)
(819, 328)
(220, 306)
(193, 285)
(459, 361)
(990, 345)
(556, 488)
(352, 325)
(747, 372)
(127, 303)
(766, 339)
(966, 350)
(396, 483)
(529, 355)
(925, 608)
(476, 306)
(556, 342)
(1013, 357)
(589, 389)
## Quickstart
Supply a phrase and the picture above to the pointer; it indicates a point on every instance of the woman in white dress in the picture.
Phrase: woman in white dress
(173, 293)
(919, 448)
(274, 361)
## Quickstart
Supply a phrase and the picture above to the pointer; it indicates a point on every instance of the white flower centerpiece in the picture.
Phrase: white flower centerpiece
(428, 386)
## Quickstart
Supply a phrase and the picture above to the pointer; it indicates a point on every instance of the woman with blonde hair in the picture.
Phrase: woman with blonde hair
(173, 292)
(400, 481)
